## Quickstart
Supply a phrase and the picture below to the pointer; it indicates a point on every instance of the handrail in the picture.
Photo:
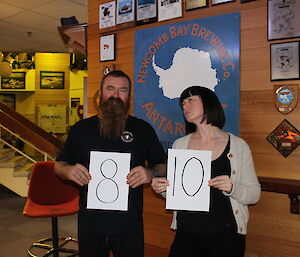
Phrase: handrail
(21, 119)
(284, 186)
(46, 156)
(28, 134)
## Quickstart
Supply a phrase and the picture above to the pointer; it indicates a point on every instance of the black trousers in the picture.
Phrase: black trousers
(223, 244)
(93, 245)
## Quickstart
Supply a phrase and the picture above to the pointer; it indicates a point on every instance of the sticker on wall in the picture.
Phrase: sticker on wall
(285, 98)
(285, 138)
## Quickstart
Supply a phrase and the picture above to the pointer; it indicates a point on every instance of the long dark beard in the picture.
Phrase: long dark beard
(113, 118)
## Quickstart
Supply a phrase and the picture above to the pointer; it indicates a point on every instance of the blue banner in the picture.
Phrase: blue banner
(170, 58)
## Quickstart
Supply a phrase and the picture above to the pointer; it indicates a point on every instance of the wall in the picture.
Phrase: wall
(273, 231)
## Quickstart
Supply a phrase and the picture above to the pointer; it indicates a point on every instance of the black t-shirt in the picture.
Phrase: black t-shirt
(220, 215)
(143, 145)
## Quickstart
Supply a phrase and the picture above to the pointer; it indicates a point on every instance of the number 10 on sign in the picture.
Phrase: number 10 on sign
(188, 175)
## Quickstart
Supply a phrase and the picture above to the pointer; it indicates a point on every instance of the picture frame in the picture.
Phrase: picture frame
(169, 9)
(16, 80)
(283, 19)
(107, 15)
(195, 4)
(146, 11)
(107, 47)
(125, 14)
(284, 61)
(9, 100)
(52, 80)
(285, 138)
(215, 2)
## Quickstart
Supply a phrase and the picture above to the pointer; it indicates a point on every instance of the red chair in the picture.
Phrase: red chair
(50, 197)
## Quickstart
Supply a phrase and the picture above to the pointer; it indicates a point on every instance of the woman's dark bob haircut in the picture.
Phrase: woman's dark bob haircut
(213, 111)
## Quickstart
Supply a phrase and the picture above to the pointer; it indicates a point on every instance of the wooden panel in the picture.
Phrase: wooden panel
(273, 231)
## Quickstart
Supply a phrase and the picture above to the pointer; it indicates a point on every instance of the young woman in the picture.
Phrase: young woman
(234, 184)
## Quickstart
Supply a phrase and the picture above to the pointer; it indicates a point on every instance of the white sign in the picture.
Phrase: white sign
(52, 118)
(188, 175)
(108, 189)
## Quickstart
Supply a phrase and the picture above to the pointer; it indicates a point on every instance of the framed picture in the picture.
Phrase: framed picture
(146, 11)
(107, 15)
(169, 9)
(285, 138)
(52, 79)
(16, 80)
(194, 4)
(214, 2)
(283, 19)
(107, 48)
(284, 61)
(125, 12)
(9, 100)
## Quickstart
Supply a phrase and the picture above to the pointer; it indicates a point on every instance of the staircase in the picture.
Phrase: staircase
(14, 171)
(16, 164)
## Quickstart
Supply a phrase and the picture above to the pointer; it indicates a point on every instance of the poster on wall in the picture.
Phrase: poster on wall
(16, 80)
(170, 58)
(125, 11)
(169, 9)
(107, 48)
(107, 15)
(285, 61)
(52, 118)
(146, 11)
(283, 19)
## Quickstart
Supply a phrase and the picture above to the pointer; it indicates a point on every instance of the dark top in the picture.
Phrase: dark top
(220, 215)
(83, 138)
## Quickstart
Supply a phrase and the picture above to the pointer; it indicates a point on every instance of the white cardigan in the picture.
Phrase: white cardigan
(246, 188)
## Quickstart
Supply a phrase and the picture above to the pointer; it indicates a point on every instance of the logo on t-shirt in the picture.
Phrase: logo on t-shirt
(127, 137)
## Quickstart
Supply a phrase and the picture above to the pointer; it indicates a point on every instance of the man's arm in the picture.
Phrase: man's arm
(76, 173)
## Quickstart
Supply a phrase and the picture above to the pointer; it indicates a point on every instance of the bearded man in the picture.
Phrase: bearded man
(112, 130)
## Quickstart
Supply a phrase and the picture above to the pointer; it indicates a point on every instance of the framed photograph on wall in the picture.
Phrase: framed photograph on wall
(169, 9)
(283, 19)
(9, 100)
(214, 2)
(125, 13)
(146, 11)
(195, 4)
(52, 79)
(107, 48)
(16, 80)
(284, 61)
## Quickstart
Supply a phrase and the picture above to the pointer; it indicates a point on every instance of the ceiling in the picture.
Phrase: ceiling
(31, 25)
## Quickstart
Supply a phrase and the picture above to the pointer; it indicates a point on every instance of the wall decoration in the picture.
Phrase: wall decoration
(16, 80)
(107, 15)
(285, 61)
(283, 19)
(285, 138)
(169, 9)
(52, 79)
(9, 100)
(53, 118)
(146, 11)
(214, 2)
(107, 48)
(285, 98)
(125, 11)
(170, 58)
(194, 4)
